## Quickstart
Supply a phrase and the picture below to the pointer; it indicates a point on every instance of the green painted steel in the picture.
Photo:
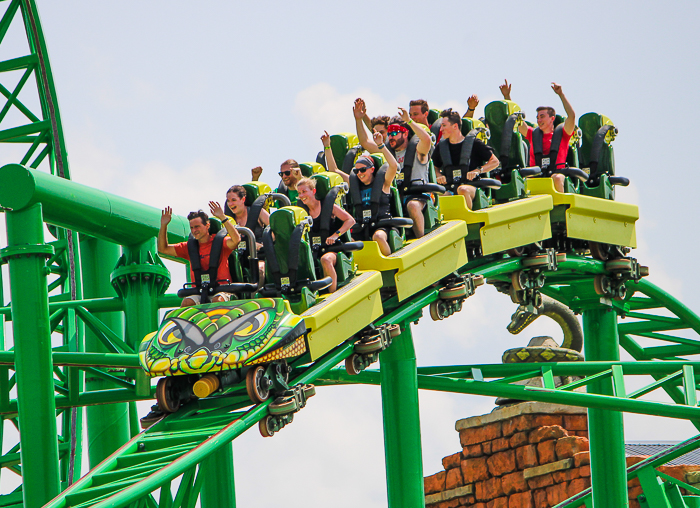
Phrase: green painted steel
(402, 439)
(107, 424)
(605, 427)
(82, 208)
(218, 489)
(32, 338)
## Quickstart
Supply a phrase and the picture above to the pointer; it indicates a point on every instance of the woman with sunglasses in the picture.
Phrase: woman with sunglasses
(341, 221)
(373, 202)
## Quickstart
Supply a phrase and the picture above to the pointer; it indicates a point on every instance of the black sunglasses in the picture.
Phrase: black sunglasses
(284, 173)
(361, 169)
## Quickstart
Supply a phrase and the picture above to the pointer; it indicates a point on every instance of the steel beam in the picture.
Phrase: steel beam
(402, 440)
(218, 490)
(605, 427)
(107, 424)
(26, 255)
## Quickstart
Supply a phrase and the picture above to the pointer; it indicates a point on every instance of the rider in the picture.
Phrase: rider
(290, 172)
(235, 199)
(456, 150)
(341, 221)
(542, 137)
(202, 244)
(375, 198)
(412, 156)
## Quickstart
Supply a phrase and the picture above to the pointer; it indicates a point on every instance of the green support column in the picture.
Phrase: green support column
(26, 255)
(402, 444)
(605, 428)
(140, 278)
(218, 490)
(107, 424)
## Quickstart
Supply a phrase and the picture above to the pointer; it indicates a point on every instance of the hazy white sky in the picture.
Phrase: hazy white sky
(170, 103)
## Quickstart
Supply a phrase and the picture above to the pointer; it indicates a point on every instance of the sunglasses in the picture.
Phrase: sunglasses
(284, 173)
(361, 169)
(392, 134)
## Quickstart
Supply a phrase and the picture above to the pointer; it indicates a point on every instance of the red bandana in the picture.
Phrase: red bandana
(396, 128)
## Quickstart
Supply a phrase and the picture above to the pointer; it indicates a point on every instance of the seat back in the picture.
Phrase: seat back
(283, 222)
(514, 152)
(341, 143)
(253, 190)
(310, 168)
(572, 156)
(596, 154)
(470, 124)
(433, 116)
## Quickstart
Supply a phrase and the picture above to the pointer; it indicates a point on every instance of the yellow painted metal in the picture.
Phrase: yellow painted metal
(352, 138)
(298, 213)
(315, 167)
(512, 107)
(420, 262)
(334, 178)
(343, 313)
(504, 226)
(589, 218)
(263, 188)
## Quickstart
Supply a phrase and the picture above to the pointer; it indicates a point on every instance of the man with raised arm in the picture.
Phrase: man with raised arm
(290, 174)
(202, 244)
(418, 110)
(459, 159)
(412, 156)
(549, 145)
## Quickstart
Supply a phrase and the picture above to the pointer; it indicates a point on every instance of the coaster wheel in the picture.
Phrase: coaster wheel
(514, 297)
(435, 310)
(265, 427)
(478, 280)
(353, 364)
(394, 331)
(256, 385)
(621, 295)
(518, 279)
(539, 260)
(167, 395)
(599, 251)
(619, 265)
(516, 252)
(601, 284)
(453, 292)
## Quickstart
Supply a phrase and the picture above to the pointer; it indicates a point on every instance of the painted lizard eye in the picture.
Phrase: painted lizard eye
(169, 336)
(252, 324)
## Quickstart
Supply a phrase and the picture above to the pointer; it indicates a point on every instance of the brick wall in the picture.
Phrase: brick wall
(528, 455)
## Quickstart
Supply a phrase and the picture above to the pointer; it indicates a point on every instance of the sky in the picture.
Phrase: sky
(170, 103)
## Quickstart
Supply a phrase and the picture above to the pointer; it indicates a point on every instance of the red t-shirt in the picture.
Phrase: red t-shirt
(204, 252)
(547, 146)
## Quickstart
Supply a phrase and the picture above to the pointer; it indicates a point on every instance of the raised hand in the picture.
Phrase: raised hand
(359, 109)
(404, 114)
(473, 102)
(326, 139)
(557, 88)
(505, 90)
(216, 210)
(166, 216)
(378, 138)
(256, 172)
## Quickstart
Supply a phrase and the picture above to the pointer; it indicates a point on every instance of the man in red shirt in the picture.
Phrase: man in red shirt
(541, 152)
(199, 228)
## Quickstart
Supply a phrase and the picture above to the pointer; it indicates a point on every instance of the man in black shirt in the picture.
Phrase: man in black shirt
(459, 159)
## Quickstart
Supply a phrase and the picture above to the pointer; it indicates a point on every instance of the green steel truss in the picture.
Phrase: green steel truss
(84, 303)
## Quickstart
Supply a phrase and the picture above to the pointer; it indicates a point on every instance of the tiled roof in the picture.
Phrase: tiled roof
(689, 459)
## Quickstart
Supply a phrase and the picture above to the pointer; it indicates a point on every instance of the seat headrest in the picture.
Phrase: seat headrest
(253, 190)
(310, 168)
(284, 220)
